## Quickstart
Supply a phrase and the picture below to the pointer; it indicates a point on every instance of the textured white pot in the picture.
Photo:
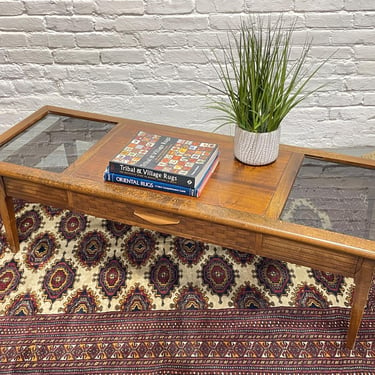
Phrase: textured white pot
(256, 148)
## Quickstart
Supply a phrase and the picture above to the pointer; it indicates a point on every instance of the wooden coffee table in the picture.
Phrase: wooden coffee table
(57, 157)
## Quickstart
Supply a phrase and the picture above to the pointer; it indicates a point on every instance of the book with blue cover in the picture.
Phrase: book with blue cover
(161, 186)
(165, 159)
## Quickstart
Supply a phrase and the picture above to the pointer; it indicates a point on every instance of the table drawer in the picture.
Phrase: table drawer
(165, 222)
(33, 192)
(315, 257)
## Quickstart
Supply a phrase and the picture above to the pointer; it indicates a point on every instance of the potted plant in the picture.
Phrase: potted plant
(261, 85)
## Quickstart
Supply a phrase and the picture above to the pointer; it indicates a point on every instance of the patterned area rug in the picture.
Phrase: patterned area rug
(86, 295)
(73, 263)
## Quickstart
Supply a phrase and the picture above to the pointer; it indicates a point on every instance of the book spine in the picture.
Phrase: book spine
(150, 174)
(207, 176)
(150, 184)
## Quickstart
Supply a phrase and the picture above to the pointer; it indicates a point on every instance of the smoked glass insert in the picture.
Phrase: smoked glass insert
(54, 142)
(334, 196)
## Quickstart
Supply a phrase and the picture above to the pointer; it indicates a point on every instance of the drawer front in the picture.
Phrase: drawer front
(32, 192)
(160, 221)
(310, 256)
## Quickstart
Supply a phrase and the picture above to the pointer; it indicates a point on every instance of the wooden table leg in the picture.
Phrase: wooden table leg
(363, 281)
(9, 218)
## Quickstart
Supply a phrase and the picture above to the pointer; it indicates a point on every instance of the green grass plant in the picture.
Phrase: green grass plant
(260, 82)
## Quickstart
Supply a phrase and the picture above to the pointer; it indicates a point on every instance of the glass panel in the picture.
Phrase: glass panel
(54, 142)
(334, 196)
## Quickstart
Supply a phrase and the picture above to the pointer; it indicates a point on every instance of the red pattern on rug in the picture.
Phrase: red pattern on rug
(227, 341)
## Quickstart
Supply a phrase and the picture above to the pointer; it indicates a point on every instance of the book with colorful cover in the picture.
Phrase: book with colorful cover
(166, 159)
(161, 186)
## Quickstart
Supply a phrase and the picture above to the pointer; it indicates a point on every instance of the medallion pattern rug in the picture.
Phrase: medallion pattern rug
(86, 295)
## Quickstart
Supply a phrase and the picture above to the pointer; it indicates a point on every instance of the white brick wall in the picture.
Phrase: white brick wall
(149, 60)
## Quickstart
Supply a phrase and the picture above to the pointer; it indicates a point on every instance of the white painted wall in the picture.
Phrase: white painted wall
(149, 60)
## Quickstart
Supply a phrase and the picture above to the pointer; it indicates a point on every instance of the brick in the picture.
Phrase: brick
(165, 87)
(104, 24)
(152, 87)
(11, 8)
(328, 20)
(331, 52)
(55, 72)
(356, 5)
(318, 5)
(143, 23)
(153, 40)
(308, 114)
(119, 73)
(225, 22)
(219, 6)
(59, 40)
(6, 90)
(342, 99)
(36, 87)
(364, 19)
(369, 99)
(23, 24)
(113, 88)
(325, 84)
(360, 83)
(269, 5)
(32, 71)
(13, 40)
(76, 88)
(162, 108)
(83, 7)
(76, 57)
(83, 73)
(208, 39)
(43, 7)
(165, 71)
(185, 56)
(114, 105)
(188, 87)
(37, 39)
(351, 113)
(327, 70)
(129, 40)
(121, 7)
(72, 24)
(364, 52)
(169, 7)
(98, 40)
(185, 23)
(366, 68)
(11, 71)
(318, 37)
(30, 56)
(122, 56)
(130, 72)
(353, 37)
(201, 73)
(345, 67)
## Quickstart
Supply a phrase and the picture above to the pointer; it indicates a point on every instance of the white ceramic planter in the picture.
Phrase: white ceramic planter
(256, 148)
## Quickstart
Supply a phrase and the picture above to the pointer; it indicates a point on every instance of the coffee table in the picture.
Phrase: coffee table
(57, 157)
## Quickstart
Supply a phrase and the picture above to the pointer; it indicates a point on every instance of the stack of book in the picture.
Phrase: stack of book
(164, 163)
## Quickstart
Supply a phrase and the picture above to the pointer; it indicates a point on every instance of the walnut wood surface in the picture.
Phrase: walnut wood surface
(239, 207)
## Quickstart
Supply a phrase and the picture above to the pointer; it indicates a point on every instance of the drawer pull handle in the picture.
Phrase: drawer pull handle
(156, 219)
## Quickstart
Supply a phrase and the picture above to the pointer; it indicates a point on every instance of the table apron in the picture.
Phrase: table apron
(197, 229)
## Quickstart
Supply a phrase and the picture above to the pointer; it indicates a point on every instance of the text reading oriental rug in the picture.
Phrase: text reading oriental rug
(86, 295)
